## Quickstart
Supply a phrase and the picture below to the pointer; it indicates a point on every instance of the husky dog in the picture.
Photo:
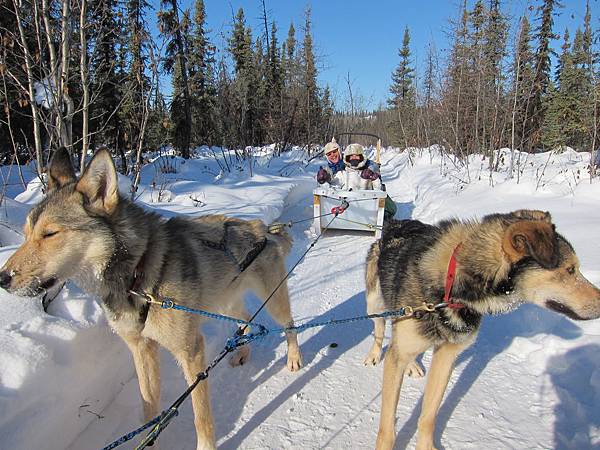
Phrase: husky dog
(501, 262)
(85, 231)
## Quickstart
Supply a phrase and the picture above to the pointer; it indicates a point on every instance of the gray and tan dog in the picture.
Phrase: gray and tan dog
(85, 231)
(502, 261)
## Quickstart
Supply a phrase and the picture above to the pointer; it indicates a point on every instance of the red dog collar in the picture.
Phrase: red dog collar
(450, 275)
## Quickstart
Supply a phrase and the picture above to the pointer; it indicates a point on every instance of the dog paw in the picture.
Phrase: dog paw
(240, 356)
(415, 370)
(206, 446)
(373, 358)
(425, 447)
(294, 362)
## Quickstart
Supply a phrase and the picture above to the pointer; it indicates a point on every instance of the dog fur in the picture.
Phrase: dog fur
(85, 231)
(503, 261)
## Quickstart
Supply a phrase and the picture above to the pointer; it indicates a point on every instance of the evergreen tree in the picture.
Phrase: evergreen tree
(402, 92)
(524, 73)
(310, 105)
(258, 92)
(240, 43)
(455, 81)
(542, 67)
(135, 84)
(493, 92)
(202, 83)
(176, 62)
(275, 71)
(588, 40)
(402, 88)
(290, 43)
(564, 56)
(429, 77)
(104, 82)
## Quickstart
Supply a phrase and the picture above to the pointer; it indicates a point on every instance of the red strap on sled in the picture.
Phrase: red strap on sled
(338, 210)
(450, 274)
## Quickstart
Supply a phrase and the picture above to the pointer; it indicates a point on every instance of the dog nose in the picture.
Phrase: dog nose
(5, 279)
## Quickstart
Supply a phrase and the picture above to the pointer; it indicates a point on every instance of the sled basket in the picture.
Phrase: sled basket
(365, 212)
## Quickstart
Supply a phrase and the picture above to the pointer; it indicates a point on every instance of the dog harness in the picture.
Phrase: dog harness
(138, 273)
(250, 256)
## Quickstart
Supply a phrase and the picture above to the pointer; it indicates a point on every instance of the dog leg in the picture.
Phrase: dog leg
(191, 360)
(279, 309)
(147, 367)
(415, 370)
(406, 344)
(374, 355)
(242, 355)
(439, 374)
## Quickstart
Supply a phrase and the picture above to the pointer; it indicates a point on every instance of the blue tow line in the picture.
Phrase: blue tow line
(262, 331)
(238, 340)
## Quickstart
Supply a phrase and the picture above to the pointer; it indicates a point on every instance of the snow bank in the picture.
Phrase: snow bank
(531, 380)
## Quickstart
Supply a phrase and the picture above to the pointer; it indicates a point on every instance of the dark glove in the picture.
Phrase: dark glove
(368, 174)
(323, 176)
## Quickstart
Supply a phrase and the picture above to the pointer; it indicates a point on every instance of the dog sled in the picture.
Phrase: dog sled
(358, 210)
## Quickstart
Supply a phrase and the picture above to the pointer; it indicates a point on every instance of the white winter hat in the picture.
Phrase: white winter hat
(331, 146)
(354, 149)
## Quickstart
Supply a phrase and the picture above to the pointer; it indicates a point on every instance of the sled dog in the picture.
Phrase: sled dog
(85, 231)
(501, 261)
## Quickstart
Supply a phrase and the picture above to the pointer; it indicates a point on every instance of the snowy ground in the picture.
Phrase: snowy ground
(531, 380)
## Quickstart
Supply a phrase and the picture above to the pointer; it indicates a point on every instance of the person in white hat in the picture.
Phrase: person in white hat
(361, 173)
(332, 174)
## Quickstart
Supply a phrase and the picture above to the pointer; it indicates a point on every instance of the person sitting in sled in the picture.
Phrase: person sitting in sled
(333, 173)
(361, 173)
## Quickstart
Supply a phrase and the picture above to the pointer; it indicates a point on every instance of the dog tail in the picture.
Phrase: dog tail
(277, 230)
(371, 275)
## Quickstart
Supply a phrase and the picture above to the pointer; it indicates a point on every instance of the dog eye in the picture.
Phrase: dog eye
(48, 234)
(571, 270)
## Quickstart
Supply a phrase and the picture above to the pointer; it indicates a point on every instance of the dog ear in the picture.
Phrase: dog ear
(535, 238)
(532, 214)
(99, 183)
(60, 169)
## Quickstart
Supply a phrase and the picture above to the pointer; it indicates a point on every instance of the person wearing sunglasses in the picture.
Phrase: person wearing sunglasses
(333, 173)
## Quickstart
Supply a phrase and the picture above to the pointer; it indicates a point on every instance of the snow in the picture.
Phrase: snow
(531, 380)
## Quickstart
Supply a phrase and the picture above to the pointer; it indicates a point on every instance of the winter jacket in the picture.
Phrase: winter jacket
(352, 178)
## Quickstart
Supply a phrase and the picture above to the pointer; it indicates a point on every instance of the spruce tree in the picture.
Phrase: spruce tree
(567, 106)
(176, 62)
(104, 81)
(455, 81)
(524, 73)
(274, 89)
(494, 51)
(202, 83)
(402, 92)
(542, 67)
(402, 89)
(310, 105)
(240, 43)
(290, 43)
(135, 83)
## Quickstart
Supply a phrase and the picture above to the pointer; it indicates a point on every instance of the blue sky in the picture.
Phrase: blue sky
(360, 39)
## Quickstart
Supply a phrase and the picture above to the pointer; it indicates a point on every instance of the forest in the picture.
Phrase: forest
(85, 74)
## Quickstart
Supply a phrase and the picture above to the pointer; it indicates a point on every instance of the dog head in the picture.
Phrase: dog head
(66, 234)
(545, 267)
